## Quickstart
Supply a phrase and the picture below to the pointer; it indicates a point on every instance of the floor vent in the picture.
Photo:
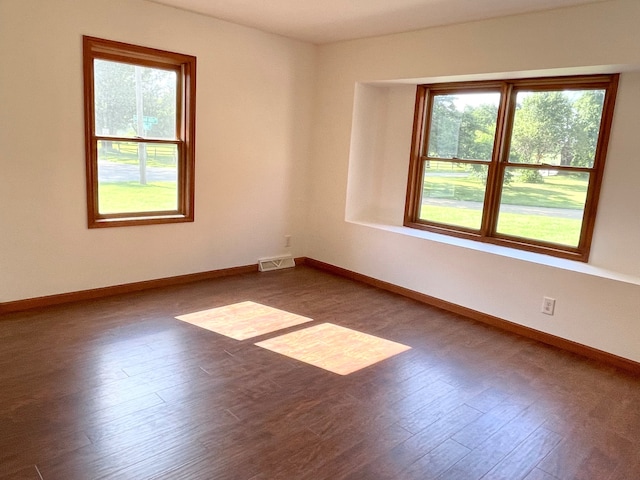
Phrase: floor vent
(275, 263)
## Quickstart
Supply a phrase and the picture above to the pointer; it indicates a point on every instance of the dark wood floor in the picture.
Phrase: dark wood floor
(117, 388)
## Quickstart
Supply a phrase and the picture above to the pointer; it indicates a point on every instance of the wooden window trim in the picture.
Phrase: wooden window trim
(185, 67)
(499, 161)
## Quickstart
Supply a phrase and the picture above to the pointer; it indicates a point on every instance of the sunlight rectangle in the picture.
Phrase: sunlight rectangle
(243, 320)
(331, 347)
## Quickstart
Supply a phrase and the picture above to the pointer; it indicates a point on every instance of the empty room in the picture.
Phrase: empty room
(319, 240)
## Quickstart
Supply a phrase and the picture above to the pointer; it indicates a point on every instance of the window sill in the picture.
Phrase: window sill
(137, 221)
(530, 257)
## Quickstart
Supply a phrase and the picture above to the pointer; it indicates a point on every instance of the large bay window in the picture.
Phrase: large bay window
(516, 163)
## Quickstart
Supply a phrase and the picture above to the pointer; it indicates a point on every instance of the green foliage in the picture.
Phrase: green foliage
(550, 127)
(588, 112)
(482, 171)
(463, 131)
(445, 121)
(531, 176)
(541, 126)
(477, 132)
(556, 127)
(115, 100)
(478, 171)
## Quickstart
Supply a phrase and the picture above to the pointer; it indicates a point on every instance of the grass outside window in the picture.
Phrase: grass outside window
(140, 134)
(517, 163)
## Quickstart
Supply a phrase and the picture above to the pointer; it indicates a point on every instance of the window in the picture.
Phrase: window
(139, 134)
(517, 163)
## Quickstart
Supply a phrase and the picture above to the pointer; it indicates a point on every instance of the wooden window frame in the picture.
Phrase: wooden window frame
(499, 160)
(185, 67)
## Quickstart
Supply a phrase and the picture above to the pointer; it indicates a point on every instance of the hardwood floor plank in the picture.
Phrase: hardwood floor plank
(118, 388)
(106, 459)
(229, 457)
(488, 454)
(523, 459)
(26, 473)
(356, 457)
(431, 465)
(437, 408)
(338, 452)
(487, 399)
(597, 464)
(537, 474)
(584, 456)
(398, 459)
(21, 451)
(486, 425)
(154, 464)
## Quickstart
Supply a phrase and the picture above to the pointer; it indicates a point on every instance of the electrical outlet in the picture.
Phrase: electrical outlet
(548, 305)
(287, 241)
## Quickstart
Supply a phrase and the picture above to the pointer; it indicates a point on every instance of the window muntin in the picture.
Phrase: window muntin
(140, 133)
(523, 170)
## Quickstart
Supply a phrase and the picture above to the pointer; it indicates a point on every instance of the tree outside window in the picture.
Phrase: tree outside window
(516, 163)
(140, 113)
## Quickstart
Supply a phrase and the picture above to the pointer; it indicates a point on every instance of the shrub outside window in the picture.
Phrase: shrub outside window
(517, 163)
(139, 134)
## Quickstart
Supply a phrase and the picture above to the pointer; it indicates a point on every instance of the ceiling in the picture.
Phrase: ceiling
(325, 21)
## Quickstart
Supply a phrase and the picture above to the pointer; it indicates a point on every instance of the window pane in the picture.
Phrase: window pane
(557, 127)
(137, 177)
(453, 193)
(134, 101)
(548, 209)
(463, 126)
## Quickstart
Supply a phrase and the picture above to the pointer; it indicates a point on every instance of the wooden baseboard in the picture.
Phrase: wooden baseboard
(95, 293)
(559, 342)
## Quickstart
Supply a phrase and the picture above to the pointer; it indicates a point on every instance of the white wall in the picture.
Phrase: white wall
(254, 106)
(276, 156)
(362, 134)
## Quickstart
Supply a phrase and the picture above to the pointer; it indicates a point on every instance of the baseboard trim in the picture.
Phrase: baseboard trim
(546, 338)
(558, 342)
(95, 293)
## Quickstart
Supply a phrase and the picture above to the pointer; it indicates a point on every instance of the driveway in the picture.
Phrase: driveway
(121, 172)
(520, 209)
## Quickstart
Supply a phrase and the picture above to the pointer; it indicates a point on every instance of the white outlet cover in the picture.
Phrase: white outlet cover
(548, 305)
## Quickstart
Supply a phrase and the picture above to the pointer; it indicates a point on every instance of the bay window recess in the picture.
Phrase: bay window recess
(516, 163)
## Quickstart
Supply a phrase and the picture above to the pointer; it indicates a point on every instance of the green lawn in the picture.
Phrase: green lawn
(126, 197)
(158, 155)
(564, 231)
(558, 191)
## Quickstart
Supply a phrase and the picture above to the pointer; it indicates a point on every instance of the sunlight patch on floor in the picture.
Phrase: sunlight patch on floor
(243, 320)
(331, 347)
